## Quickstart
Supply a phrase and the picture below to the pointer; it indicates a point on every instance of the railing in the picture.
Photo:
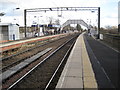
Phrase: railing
(112, 40)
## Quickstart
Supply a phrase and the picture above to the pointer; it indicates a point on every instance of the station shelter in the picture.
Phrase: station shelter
(9, 31)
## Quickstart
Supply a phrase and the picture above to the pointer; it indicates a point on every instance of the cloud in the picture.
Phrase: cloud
(6, 4)
(109, 21)
(8, 7)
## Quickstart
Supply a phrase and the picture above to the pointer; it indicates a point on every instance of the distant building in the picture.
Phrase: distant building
(9, 31)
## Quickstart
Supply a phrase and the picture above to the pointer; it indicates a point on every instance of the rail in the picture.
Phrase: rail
(66, 55)
(43, 61)
(22, 65)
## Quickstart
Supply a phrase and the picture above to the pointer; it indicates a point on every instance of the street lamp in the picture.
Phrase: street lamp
(17, 8)
(98, 36)
(37, 22)
(37, 18)
(14, 12)
(2, 14)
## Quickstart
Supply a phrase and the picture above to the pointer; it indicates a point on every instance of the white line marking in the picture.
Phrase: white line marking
(103, 70)
(100, 65)
(108, 46)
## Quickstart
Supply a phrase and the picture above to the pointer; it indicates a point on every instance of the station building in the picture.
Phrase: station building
(9, 31)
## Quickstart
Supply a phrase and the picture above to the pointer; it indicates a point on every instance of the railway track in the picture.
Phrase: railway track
(14, 59)
(6, 54)
(55, 58)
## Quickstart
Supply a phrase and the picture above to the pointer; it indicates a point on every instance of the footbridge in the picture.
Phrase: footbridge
(75, 21)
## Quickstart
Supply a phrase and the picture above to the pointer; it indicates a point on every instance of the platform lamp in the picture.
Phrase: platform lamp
(98, 36)
(2, 14)
(14, 10)
(37, 23)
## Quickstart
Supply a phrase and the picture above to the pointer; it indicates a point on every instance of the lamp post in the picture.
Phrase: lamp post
(2, 14)
(98, 36)
(14, 13)
(37, 29)
(98, 23)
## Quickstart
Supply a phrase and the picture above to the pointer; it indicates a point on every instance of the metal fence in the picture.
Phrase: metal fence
(112, 40)
(30, 34)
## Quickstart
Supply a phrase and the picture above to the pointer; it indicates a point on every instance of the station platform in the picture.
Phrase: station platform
(15, 44)
(78, 72)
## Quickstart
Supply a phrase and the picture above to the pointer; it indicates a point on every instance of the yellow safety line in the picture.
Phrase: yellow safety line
(88, 74)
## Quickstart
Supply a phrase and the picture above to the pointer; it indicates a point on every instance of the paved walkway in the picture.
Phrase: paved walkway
(78, 71)
(105, 62)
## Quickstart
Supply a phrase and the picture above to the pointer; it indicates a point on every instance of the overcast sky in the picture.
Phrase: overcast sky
(109, 10)
(119, 12)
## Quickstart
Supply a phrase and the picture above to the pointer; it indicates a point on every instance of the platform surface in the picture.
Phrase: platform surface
(105, 62)
(16, 44)
(78, 72)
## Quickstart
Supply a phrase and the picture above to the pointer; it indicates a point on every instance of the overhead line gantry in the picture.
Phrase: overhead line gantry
(62, 9)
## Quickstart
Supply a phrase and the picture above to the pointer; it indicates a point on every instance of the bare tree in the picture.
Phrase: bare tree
(50, 20)
(57, 22)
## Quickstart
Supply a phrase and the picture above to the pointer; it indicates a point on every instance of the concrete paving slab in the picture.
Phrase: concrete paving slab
(88, 74)
(74, 72)
(72, 76)
(75, 65)
(90, 85)
(78, 70)
(72, 82)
